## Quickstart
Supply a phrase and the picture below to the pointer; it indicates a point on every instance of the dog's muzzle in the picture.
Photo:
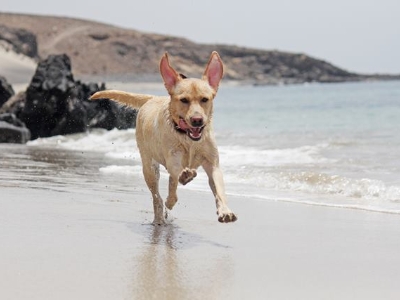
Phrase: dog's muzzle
(194, 133)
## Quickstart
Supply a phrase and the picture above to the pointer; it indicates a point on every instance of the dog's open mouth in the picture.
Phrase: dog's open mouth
(193, 132)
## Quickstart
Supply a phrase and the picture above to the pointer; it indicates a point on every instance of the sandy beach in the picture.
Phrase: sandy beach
(17, 69)
(70, 231)
(88, 236)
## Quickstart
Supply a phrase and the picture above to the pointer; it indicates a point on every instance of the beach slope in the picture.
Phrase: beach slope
(88, 236)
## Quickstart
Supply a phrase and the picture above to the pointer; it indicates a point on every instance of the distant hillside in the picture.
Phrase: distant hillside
(105, 50)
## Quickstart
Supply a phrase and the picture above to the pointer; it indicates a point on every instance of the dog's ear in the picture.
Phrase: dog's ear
(169, 75)
(214, 70)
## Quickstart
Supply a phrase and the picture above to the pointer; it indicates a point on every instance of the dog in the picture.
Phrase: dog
(176, 131)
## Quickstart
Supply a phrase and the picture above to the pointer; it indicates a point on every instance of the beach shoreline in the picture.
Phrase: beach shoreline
(91, 238)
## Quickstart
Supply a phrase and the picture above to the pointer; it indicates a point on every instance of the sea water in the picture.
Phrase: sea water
(319, 144)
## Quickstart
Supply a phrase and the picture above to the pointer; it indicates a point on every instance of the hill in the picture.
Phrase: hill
(107, 51)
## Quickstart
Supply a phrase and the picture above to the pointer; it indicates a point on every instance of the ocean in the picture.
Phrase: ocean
(334, 145)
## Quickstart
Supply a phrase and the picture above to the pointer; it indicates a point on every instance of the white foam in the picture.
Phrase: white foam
(314, 183)
(128, 170)
(250, 171)
(241, 156)
(98, 140)
(129, 155)
(122, 170)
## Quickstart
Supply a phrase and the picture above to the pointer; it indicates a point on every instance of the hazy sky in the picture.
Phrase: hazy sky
(358, 35)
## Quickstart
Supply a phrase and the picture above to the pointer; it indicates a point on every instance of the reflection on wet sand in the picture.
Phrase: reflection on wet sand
(171, 267)
(56, 169)
(53, 166)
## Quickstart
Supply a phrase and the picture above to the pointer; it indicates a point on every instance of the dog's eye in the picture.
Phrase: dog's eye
(184, 100)
(204, 100)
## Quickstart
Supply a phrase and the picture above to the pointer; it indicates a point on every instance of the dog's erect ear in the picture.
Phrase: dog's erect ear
(169, 75)
(214, 70)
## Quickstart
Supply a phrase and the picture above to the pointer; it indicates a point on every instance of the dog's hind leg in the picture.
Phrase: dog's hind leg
(151, 172)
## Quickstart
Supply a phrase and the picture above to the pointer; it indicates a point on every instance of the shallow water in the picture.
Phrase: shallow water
(319, 144)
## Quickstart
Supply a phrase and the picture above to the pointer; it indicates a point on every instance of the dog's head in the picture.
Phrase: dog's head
(191, 103)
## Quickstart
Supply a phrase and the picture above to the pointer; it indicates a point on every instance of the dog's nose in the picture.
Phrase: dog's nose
(196, 121)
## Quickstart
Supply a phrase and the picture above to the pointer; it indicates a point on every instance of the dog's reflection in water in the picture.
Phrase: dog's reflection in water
(178, 265)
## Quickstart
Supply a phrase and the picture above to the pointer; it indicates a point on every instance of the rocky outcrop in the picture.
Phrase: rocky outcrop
(275, 67)
(55, 104)
(6, 90)
(21, 41)
(13, 130)
(114, 53)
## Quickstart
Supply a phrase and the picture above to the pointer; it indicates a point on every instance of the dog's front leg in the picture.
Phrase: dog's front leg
(177, 174)
(172, 196)
(216, 181)
(174, 167)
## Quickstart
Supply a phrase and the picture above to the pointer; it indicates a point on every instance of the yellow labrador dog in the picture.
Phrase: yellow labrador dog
(176, 132)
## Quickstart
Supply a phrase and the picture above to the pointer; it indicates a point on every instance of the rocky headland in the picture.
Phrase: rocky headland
(101, 51)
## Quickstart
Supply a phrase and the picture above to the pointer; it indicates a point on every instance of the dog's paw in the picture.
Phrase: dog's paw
(227, 217)
(169, 218)
(187, 176)
(170, 203)
(159, 222)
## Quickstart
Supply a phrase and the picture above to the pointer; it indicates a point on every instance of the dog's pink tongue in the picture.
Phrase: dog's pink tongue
(183, 125)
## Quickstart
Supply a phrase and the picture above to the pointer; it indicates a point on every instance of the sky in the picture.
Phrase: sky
(357, 35)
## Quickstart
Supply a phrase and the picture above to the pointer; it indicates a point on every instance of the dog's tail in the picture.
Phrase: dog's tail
(130, 99)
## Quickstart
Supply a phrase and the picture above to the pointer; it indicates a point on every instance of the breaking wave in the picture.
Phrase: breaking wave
(290, 173)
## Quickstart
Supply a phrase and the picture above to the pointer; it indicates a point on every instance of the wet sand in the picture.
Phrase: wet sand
(69, 232)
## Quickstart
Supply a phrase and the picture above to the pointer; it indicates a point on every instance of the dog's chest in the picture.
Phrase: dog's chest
(192, 157)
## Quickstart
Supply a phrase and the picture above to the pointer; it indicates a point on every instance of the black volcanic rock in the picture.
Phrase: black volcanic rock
(50, 102)
(6, 91)
(56, 104)
(13, 130)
